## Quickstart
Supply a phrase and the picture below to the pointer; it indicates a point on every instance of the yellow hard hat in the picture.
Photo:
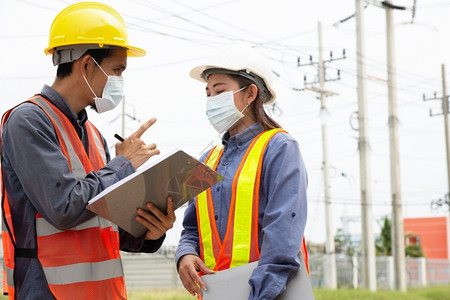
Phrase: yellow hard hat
(88, 25)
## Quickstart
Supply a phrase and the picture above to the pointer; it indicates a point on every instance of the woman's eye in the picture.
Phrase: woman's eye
(220, 92)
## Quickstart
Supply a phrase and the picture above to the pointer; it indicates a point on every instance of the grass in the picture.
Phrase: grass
(160, 295)
(428, 293)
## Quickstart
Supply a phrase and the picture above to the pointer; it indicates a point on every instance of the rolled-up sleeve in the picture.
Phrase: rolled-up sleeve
(284, 183)
(189, 241)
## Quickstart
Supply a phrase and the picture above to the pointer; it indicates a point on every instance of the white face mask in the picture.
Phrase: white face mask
(221, 111)
(112, 92)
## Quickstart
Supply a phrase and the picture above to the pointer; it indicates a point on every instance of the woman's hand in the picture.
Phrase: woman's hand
(188, 268)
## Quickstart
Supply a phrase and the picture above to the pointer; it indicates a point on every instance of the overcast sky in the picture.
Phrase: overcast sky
(179, 35)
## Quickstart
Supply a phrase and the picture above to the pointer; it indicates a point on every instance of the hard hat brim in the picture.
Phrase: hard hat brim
(197, 72)
(135, 51)
(131, 50)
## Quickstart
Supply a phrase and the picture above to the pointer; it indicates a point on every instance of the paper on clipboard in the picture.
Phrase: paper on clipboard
(233, 284)
(176, 173)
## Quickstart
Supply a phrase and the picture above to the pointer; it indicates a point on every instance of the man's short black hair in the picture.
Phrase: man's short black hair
(99, 55)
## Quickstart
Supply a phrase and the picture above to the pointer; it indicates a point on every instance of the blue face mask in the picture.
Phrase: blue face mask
(112, 92)
(221, 111)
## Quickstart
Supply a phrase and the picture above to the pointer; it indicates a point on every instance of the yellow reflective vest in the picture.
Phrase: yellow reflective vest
(240, 245)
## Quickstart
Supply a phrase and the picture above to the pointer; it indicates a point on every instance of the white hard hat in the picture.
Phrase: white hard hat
(239, 60)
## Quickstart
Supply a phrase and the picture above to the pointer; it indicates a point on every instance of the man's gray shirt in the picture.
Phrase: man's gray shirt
(37, 178)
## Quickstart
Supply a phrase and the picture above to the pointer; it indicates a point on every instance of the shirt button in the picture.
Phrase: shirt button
(225, 164)
(216, 217)
(218, 189)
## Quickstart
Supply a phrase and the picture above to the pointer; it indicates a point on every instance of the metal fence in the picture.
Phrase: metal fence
(157, 271)
(419, 271)
(150, 271)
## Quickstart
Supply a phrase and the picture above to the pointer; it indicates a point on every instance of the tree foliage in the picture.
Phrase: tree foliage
(413, 250)
(383, 243)
(343, 243)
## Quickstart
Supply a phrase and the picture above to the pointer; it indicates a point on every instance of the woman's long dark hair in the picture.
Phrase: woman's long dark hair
(256, 106)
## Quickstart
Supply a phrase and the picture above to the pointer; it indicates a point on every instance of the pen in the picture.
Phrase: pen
(118, 137)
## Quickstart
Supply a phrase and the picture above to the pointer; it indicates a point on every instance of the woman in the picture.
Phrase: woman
(258, 212)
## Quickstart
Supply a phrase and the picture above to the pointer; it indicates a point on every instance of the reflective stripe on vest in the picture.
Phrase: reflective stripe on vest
(8, 241)
(63, 129)
(8, 263)
(46, 228)
(93, 135)
(85, 272)
(83, 261)
(240, 245)
(208, 252)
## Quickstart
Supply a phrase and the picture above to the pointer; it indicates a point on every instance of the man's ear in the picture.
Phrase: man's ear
(252, 93)
(85, 65)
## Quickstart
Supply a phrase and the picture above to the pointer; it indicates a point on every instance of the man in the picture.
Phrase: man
(54, 160)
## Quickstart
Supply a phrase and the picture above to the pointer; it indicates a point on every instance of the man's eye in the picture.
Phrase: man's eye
(220, 92)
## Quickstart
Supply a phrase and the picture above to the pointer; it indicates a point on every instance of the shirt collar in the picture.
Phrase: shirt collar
(56, 99)
(242, 137)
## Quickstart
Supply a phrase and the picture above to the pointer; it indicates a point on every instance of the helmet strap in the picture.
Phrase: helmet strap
(71, 53)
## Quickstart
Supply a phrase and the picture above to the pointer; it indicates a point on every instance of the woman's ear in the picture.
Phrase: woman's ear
(252, 93)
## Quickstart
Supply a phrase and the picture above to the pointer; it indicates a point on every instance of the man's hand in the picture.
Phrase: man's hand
(157, 222)
(188, 268)
(134, 149)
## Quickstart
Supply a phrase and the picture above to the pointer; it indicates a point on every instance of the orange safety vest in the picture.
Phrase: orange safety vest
(240, 245)
(82, 262)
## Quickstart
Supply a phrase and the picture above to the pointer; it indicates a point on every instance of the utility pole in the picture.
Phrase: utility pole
(368, 243)
(445, 200)
(330, 274)
(447, 142)
(331, 279)
(398, 246)
(123, 116)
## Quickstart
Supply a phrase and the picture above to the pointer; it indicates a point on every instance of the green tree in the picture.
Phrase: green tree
(383, 242)
(343, 243)
(415, 249)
